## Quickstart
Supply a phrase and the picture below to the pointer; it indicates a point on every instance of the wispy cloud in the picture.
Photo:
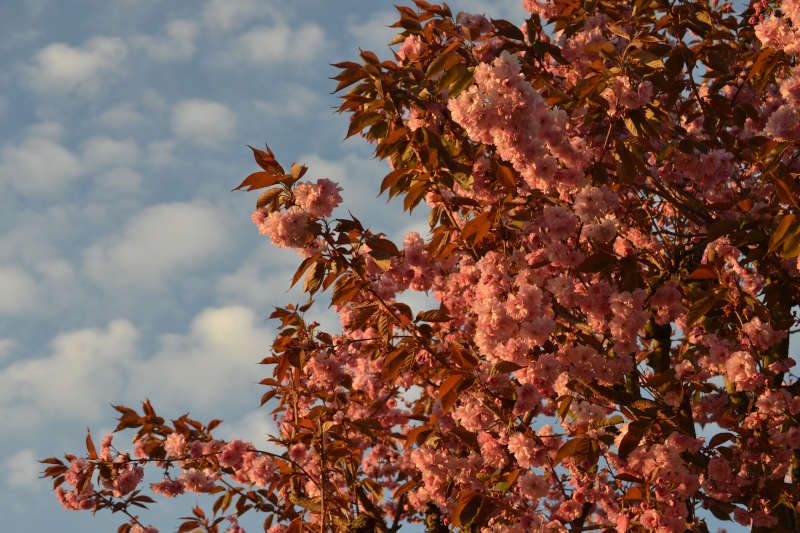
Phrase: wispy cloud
(83, 371)
(86, 369)
(38, 165)
(293, 100)
(230, 14)
(203, 122)
(177, 43)
(22, 470)
(122, 117)
(60, 67)
(373, 33)
(280, 43)
(159, 242)
(196, 370)
(103, 152)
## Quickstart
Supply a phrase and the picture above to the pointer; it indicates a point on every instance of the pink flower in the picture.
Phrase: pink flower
(411, 47)
(174, 444)
(762, 335)
(140, 529)
(168, 487)
(476, 22)
(649, 518)
(233, 452)
(76, 502)
(75, 473)
(782, 124)
(105, 447)
(740, 369)
(127, 479)
(195, 481)
(318, 200)
(774, 32)
(298, 452)
(288, 229)
(533, 486)
(667, 301)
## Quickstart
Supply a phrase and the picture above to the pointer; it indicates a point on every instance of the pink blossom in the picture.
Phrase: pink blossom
(168, 487)
(774, 32)
(105, 447)
(667, 301)
(139, 529)
(288, 229)
(476, 22)
(533, 486)
(174, 444)
(740, 369)
(762, 335)
(411, 47)
(782, 124)
(545, 8)
(76, 502)
(318, 199)
(195, 481)
(127, 479)
(233, 452)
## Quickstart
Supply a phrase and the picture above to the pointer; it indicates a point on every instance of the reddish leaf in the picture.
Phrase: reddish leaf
(702, 272)
(258, 180)
(467, 508)
(267, 161)
(634, 494)
(90, 446)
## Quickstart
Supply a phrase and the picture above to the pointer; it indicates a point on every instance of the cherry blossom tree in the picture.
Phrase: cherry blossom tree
(612, 195)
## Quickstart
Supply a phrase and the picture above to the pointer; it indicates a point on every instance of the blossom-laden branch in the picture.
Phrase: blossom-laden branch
(611, 192)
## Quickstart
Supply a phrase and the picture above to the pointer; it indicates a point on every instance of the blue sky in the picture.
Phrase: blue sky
(128, 270)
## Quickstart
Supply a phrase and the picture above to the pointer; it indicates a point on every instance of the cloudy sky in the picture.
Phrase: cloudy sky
(128, 270)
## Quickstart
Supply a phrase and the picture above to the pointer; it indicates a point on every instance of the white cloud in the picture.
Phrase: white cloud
(160, 153)
(280, 44)
(19, 292)
(6, 347)
(152, 100)
(121, 179)
(41, 165)
(263, 279)
(374, 33)
(159, 242)
(121, 117)
(203, 122)
(60, 67)
(177, 44)
(47, 130)
(22, 470)
(214, 365)
(230, 14)
(103, 152)
(82, 373)
(210, 368)
(294, 100)
(38, 165)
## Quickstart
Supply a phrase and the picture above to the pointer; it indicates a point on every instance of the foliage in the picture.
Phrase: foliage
(612, 196)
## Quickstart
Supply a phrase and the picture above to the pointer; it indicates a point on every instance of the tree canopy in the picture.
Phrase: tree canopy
(612, 194)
